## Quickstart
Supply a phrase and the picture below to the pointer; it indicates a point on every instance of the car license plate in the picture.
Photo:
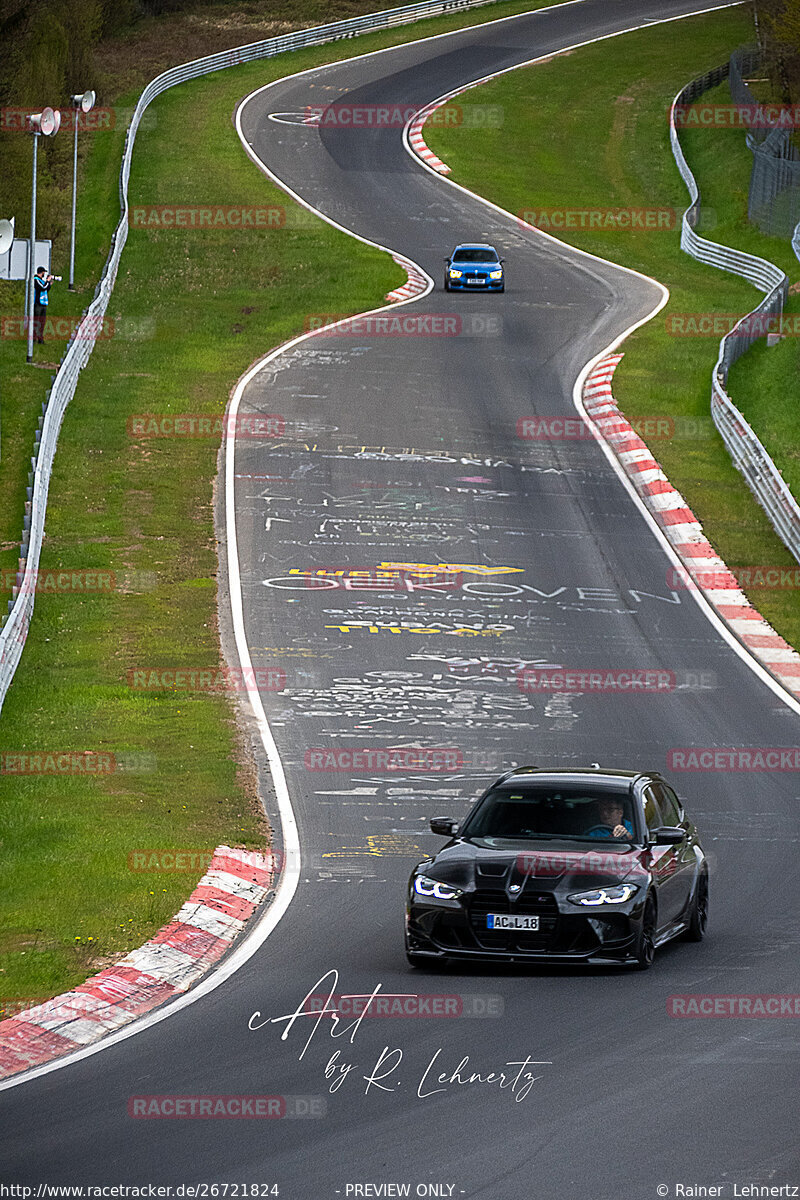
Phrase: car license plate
(474, 282)
(512, 921)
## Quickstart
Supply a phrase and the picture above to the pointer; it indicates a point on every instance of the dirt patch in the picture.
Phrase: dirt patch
(621, 129)
(130, 60)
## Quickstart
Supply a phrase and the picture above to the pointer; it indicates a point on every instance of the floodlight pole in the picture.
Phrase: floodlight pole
(77, 110)
(80, 103)
(32, 246)
(6, 243)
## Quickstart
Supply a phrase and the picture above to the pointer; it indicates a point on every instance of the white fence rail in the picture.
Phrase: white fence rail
(745, 448)
(16, 624)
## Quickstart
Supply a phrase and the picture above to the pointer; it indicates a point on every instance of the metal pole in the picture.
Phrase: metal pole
(74, 202)
(27, 272)
(32, 256)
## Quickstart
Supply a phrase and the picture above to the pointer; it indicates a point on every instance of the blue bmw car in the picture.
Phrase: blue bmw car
(474, 266)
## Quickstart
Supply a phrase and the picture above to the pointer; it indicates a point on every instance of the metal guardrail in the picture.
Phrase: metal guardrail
(744, 447)
(16, 624)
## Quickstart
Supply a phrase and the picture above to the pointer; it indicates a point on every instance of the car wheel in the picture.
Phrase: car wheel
(646, 943)
(446, 286)
(698, 921)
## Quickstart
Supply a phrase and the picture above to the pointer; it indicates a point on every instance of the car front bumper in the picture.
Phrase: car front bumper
(457, 932)
(483, 285)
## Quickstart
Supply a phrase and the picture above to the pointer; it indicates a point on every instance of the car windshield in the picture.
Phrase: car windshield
(574, 813)
(474, 254)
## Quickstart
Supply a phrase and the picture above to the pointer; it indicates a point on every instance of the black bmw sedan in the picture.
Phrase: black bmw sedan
(587, 865)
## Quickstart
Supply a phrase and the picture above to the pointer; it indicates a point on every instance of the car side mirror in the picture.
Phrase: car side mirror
(444, 826)
(502, 260)
(668, 835)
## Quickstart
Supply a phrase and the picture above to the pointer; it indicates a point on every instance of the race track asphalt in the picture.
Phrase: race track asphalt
(405, 449)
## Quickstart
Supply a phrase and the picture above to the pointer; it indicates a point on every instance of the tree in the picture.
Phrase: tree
(778, 26)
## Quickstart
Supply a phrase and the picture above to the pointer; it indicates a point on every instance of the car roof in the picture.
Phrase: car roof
(609, 778)
(475, 246)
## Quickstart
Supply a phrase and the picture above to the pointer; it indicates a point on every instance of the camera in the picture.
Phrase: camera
(56, 277)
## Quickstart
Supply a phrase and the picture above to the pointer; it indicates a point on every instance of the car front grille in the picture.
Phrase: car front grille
(526, 904)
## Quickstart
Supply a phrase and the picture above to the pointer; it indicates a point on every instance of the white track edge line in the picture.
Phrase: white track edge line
(708, 611)
(705, 606)
(254, 938)
(263, 927)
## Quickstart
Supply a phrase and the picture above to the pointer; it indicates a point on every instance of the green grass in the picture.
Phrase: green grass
(764, 386)
(192, 309)
(139, 53)
(589, 130)
(763, 383)
(24, 388)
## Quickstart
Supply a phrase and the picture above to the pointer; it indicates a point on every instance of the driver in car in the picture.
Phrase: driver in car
(609, 821)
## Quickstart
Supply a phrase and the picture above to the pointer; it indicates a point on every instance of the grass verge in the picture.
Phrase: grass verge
(125, 63)
(588, 131)
(763, 383)
(764, 386)
(192, 308)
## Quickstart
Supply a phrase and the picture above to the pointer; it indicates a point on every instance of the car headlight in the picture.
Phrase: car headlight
(433, 889)
(495, 274)
(456, 274)
(605, 895)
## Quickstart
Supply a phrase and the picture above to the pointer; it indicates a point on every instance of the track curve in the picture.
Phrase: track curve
(401, 451)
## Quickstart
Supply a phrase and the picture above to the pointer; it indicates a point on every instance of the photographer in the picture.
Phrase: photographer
(41, 286)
